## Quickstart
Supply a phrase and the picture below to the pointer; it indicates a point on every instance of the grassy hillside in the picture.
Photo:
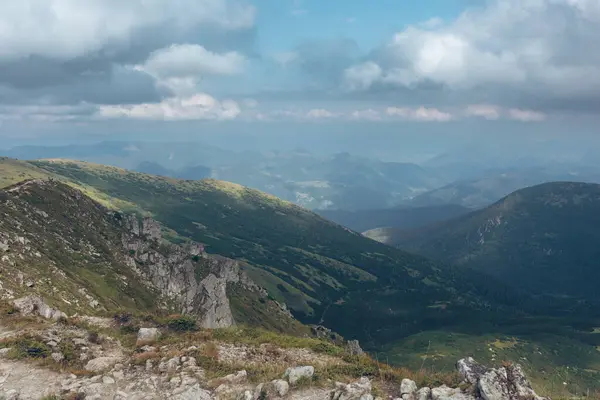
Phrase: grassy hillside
(543, 239)
(324, 272)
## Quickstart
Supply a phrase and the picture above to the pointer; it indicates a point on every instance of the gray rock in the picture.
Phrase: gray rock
(148, 335)
(280, 387)
(294, 374)
(57, 357)
(35, 305)
(470, 370)
(4, 351)
(423, 394)
(408, 387)
(353, 348)
(173, 273)
(148, 349)
(193, 393)
(493, 385)
(446, 393)
(520, 385)
(237, 378)
(100, 364)
(360, 390)
(246, 395)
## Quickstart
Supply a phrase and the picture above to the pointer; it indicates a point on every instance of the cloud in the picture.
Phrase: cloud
(68, 29)
(198, 107)
(519, 53)
(420, 114)
(191, 60)
(362, 76)
(526, 115)
(366, 115)
(319, 113)
(484, 111)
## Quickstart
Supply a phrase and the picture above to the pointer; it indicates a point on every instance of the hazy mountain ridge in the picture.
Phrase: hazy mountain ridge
(399, 217)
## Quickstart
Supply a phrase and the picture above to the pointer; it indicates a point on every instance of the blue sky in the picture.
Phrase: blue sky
(175, 68)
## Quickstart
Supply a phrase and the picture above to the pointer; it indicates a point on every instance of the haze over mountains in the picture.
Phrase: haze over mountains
(341, 181)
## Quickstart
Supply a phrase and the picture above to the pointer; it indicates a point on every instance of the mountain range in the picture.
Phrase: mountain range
(94, 238)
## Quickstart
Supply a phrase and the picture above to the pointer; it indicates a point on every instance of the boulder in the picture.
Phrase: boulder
(408, 387)
(100, 364)
(470, 370)
(280, 387)
(359, 390)
(423, 394)
(296, 373)
(148, 335)
(35, 305)
(446, 393)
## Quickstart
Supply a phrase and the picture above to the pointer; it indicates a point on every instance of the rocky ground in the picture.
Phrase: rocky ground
(90, 358)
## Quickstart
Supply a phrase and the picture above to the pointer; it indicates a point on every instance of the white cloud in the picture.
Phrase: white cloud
(362, 76)
(542, 48)
(66, 29)
(319, 113)
(183, 61)
(367, 115)
(526, 115)
(484, 111)
(419, 114)
(198, 107)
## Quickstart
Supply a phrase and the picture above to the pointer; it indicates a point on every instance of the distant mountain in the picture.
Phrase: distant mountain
(339, 181)
(197, 172)
(398, 217)
(543, 240)
(492, 185)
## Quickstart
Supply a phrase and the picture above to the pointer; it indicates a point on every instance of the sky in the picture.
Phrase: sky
(184, 68)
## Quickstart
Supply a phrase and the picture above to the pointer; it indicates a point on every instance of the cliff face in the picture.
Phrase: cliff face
(80, 257)
(195, 281)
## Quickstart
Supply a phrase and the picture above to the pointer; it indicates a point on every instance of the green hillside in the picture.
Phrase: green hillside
(543, 240)
(322, 271)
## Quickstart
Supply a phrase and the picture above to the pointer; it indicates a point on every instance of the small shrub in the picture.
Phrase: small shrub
(127, 329)
(122, 317)
(181, 323)
(196, 258)
(326, 348)
(27, 347)
(94, 337)
(211, 350)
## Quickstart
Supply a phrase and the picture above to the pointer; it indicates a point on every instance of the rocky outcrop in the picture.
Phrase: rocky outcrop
(195, 281)
(35, 305)
(353, 348)
(504, 383)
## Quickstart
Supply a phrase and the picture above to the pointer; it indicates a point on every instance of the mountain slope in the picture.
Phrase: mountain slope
(322, 271)
(57, 243)
(543, 239)
(398, 217)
